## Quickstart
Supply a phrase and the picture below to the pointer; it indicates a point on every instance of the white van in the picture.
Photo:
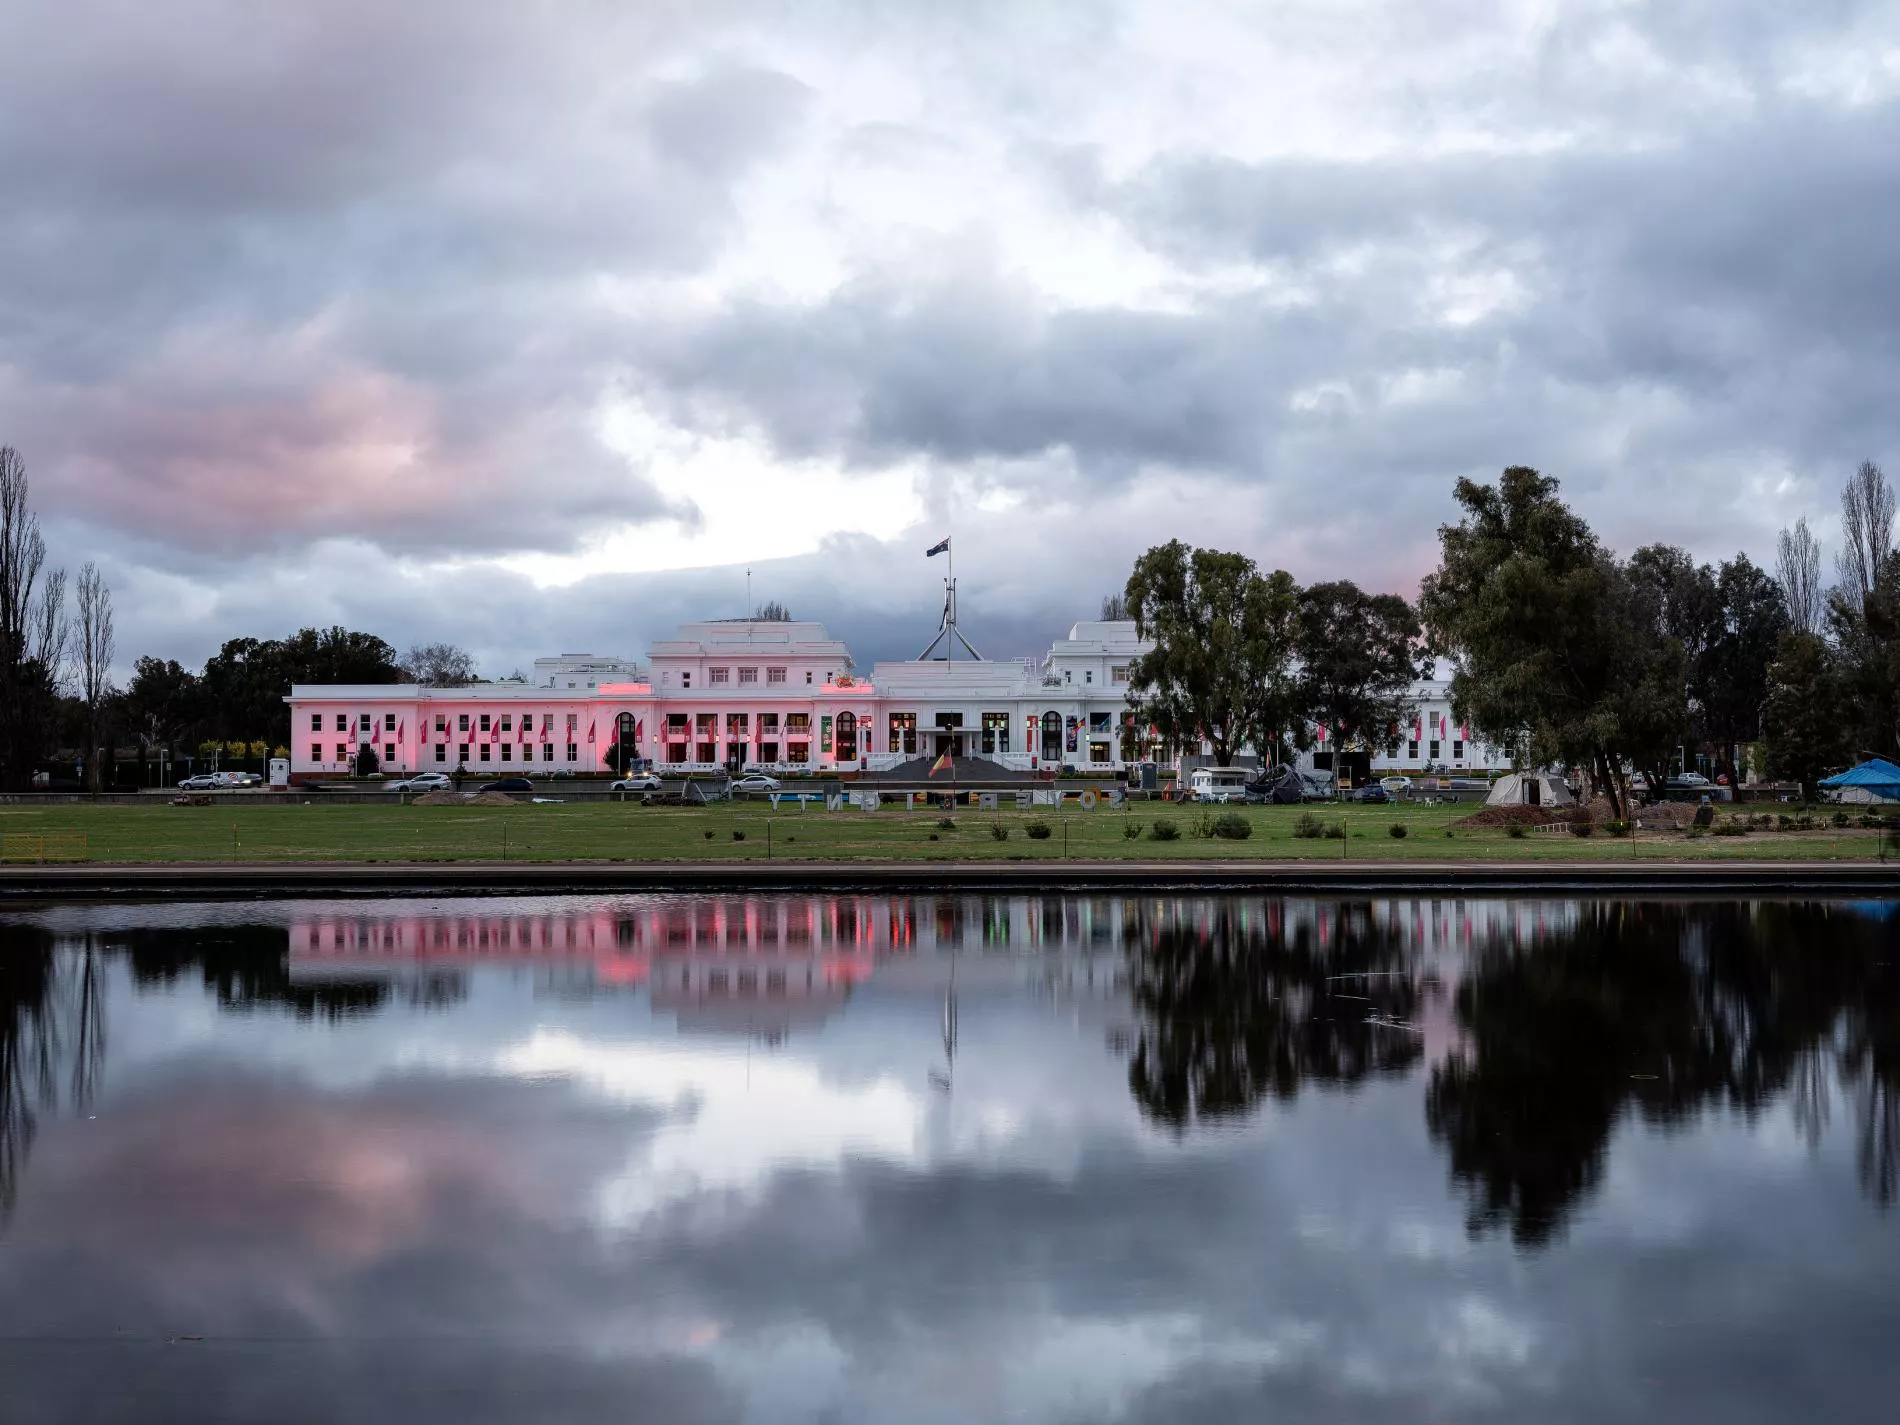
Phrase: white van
(1219, 784)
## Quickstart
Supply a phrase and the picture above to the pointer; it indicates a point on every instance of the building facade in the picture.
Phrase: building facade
(786, 697)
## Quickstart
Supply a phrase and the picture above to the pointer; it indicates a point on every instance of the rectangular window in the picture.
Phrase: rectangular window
(342, 723)
(573, 752)
(808, 677)
(1457, 749)
(686, 680)
(316, 722)
(1098, 752)
(389, 722)
(461, 752)
(461, 722)
(719, 675)
(1089, 677)
(507, 723)
(1118, 674)
(342, 752)
(736, 725)
(768, 722)
(705, 725)
(573, 722)
(798, 753)
(775, 675)
(1432, 749)
(1099, 721)
(487, 725)
(527, 752)
(363, 721)
(748, 675)
(1412, 749)
(903, 732)
(768, 752)
(676, 723)
(441, 752)
(316, 752)
(389, 752)
(706, 752)
(507, 749)
(949, 719)
(547, 752)
(676, 752)
(485, 747)
(441, 723)
(798, 722)
(547, 722)
(996, 732)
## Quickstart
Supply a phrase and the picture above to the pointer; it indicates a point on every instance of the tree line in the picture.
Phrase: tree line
(1561, 652)
(57, 653)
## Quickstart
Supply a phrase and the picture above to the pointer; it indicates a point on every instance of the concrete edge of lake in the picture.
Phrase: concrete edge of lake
(300, 879)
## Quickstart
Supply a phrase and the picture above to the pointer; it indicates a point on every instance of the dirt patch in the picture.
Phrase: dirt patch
(464, 799)
(1666, 816)
(1493, 818)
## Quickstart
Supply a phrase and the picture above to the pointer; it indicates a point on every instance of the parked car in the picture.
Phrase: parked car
(1397, 787)
(238, 779)
(639, 782)
(507, 784)
(1373, 793)
(422, 782)
(203, 782)
(753, 782)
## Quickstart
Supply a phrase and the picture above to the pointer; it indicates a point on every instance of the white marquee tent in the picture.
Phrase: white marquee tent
(1530, 789)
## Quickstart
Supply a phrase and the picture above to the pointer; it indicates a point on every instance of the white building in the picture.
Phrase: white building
(786, 696)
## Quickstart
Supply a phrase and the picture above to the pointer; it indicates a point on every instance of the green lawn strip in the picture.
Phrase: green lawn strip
(609, 832)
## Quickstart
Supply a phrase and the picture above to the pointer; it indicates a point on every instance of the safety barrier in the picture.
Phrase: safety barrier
(43, 846)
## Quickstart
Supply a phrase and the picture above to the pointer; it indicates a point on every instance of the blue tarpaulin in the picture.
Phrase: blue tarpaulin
(1878, 778)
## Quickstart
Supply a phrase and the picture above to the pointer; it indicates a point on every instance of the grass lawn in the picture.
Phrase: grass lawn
(628, 832)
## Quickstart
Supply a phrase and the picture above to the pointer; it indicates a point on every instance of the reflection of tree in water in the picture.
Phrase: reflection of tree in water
(1661, 1011)
(1237, 1000)
(51, 1019)
(248, 968)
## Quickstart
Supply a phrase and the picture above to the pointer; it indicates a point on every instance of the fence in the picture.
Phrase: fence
(43, 846)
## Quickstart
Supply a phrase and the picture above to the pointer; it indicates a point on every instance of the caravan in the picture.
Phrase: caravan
(1220, 784)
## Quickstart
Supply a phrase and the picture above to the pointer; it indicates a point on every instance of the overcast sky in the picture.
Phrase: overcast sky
(531, 326)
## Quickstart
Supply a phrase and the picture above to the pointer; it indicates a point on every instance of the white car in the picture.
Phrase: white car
(203, 782)
(1397, 786)
(422, 782)
(638, 782)
(754, 782)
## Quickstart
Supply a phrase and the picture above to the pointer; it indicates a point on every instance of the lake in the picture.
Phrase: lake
(949, 1159)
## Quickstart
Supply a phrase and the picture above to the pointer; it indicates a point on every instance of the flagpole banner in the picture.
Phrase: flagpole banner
(942, 546)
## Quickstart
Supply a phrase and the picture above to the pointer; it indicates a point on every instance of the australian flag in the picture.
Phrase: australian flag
(942, 546)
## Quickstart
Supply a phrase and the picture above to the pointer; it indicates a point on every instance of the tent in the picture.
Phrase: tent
(1530, 789)
(1875, 781)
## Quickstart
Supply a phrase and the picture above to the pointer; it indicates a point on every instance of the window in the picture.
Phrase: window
(1432, 749)
(736, 724)
(316, 752)
(768, 722)
(389, 722)
(706, 752)
(719, 675)
(441, 723)
(547, 722)
(676, 751)
(1118, 674)
(573, 722)
(461, 722)
(573, 752)
(768, 752)
(547, 752)
(1067, 676)
(441, 752)
(342, 752)
(705, 724)
(363, 721)
(686, 680)
(484, 751)
(316, 724)
(808, 677)
(798, 722)
(798, 753)
(903, 732)
(1411, 749)
(996, 732)
(775, 675)
(507, 723)
(507, 751)
(1098, 752)
(461, 752)
(1457, 749)
(1089, 677)
(342, 723)
(389, 752)
(949, 719)
(847, 737)
(1052, 736)
(487, 725)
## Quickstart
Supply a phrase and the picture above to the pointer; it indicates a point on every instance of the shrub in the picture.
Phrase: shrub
(998, 832)
(1232, 826)
(1164, 831)
(738, 835)
(1396, 831)
(1309, 827)
(1037, 830)
(1515, 831)
(1336, 832)
(945, 823)
(1730, 828)
(1840, 818)
(1581, 826)
(1131, 831)
(709, 834)
(935, 837)
(1616, 828)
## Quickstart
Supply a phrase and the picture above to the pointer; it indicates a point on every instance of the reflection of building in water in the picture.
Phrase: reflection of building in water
(762, 964)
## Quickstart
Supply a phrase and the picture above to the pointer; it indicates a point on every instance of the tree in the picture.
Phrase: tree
(1865, 631)
(1114, 608)
(1663, 612)
(1359, 657)
(246, 681)
(1525, 603)
(774, 612)
(368, 764)
(162, 700)
(96, 650)
(1798, 571)
(1866, 531)
(1729, 682)
(33, 629)
(1803, 721)
(438, 665)
(1221, 667)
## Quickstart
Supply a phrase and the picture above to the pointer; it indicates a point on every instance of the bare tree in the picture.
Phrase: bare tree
(1114, 608)
(439, 665)
(32, 627)
(96, 649)
(1798, 571)
(1866, 531)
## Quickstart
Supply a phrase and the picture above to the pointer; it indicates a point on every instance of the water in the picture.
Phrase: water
(946, 1160)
